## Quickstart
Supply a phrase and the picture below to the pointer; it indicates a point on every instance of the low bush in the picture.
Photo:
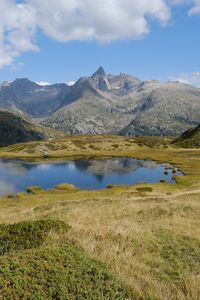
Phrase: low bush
(26, 235)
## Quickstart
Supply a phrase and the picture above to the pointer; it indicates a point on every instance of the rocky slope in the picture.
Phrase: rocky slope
(15, 129)
(189, 139)
(125, 105)
(105, 103)
(31, 98)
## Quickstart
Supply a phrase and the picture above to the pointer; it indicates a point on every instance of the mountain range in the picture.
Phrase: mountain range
(105, 103)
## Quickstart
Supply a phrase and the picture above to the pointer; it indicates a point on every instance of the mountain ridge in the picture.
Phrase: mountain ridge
(16, 129)
(106, 103)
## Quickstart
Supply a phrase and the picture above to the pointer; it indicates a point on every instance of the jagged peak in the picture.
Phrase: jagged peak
(99, 72)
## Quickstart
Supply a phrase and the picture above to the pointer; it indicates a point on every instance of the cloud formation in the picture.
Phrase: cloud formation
(17, 29)
(84, 20)
(195, 10)
(189, 78)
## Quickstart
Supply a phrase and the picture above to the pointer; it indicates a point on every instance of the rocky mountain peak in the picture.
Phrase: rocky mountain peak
(99, 73)
(23, 83)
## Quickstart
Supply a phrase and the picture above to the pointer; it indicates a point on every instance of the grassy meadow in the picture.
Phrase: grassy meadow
(125, 242)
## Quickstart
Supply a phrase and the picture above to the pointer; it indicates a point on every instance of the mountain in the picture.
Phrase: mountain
(126, 105)
(15, 129)
(189, 139)
(106, 103)
(31, 98)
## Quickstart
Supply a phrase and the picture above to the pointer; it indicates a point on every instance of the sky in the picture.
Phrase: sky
(59, 41)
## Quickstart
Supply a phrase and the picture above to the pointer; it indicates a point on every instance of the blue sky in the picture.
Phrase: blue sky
(169, 50)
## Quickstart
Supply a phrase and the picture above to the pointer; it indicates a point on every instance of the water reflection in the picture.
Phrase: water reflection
(16, 175)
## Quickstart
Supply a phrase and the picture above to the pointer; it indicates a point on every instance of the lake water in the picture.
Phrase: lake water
(16, 175)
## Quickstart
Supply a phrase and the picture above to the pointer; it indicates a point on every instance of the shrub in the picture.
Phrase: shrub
(26, 235)
(64, 272)
(33, 189)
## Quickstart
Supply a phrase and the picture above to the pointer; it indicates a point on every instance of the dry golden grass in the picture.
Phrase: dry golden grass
(150, 242)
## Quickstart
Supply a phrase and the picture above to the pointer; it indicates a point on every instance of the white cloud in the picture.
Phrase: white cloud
(83, 20)
(189, 78)
(194, 4)
(43, 83)
(195, 10)
(101, 20)
(17, 28)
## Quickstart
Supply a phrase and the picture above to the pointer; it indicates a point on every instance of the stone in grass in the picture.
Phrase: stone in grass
(33, 189)
(110, 186)
(66, 187)
(163, 181)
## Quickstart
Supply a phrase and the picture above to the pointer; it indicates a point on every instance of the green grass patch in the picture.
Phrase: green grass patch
(26, 235)
(57, 273)
(178, 254)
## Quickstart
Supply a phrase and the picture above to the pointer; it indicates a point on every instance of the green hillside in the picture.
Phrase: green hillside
(189, 139)
(16, 129)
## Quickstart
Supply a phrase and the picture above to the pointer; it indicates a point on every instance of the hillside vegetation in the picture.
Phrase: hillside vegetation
(15, 129)
(189, 139)
(139, 242)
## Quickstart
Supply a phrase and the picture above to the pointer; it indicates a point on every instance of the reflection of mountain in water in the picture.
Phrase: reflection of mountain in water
(98, 168)
(101, 168)
(15, 166)
(6, 187)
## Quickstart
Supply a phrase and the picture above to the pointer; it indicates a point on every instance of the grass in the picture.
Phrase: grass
(146, 235)
(33, 269)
